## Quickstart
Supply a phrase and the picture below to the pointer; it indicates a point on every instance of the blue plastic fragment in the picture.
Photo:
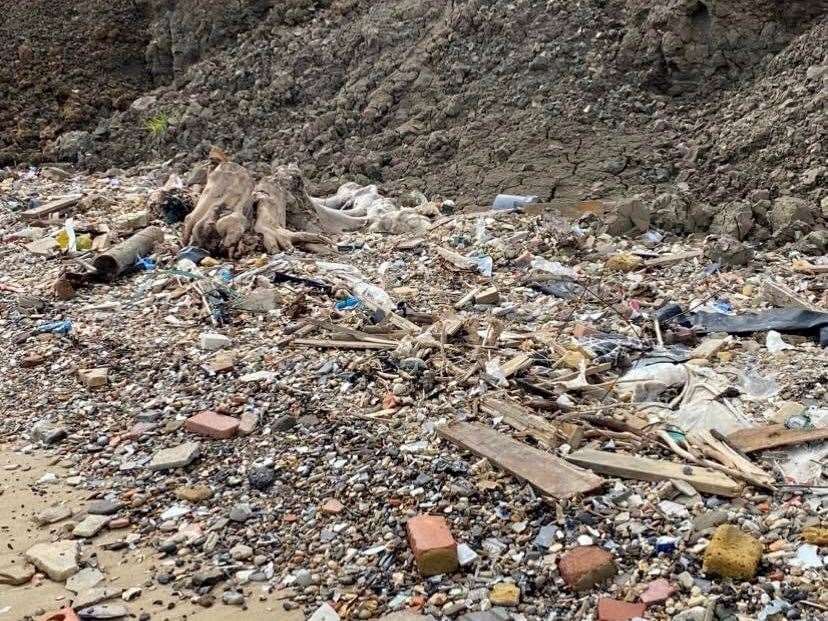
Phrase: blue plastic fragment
(349, 303)
(56, 327)
(665, 545)
(145, 263)
(723, 306)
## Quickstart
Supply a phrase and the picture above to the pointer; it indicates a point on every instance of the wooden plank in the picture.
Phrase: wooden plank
(341, 344)
(779, 295)
(773, 436)
(645, 469)
(467, 298)
(52, 206)
(525, 422)
(722, 452)
(543, 471)
(457, 260)
(804, 267)
(516, 364)
(598, 368)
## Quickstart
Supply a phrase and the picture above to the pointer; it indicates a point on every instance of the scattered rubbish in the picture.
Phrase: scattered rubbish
(645, 469)
(509, 384)
(547, 473)
(53, 206)
(66, 237)
(732, 553)
(553, 268)
(798, 421)
(559, 288)
(192, 253)
(484, 264)
(434, 548)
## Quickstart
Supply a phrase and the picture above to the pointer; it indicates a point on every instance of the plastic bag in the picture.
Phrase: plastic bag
(649, 382)
(504, 202)
(494, 370)
(553, 267)
(706, 414)
(484, 265)
(775, 344)
(66, 237)
(757, 387)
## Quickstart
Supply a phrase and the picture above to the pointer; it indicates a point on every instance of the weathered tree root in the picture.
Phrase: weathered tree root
(236, 215)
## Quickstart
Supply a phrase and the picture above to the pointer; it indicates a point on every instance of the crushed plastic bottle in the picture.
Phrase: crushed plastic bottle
(373, 296)
(480, 235)
(494, 370)
(799, 421)
(723, 306)
(193, 253)
(665, 545)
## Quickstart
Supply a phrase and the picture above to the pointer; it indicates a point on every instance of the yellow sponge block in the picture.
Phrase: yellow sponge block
(732, 553)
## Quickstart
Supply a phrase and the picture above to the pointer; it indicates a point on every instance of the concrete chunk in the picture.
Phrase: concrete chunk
(175, 457)
(91, 526)
(58, 560)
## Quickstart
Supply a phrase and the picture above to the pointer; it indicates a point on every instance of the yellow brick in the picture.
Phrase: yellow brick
(732, 553)
(504, 594)
(816, 535)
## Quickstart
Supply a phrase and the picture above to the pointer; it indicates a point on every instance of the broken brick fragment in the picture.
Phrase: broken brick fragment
(657, 591)
(616, 610)
(212, 425)
(586, 566)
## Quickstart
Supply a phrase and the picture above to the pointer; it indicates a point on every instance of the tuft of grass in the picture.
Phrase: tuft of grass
(158, 125)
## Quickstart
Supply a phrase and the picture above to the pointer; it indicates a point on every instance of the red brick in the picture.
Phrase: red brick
(212, 425)
(586, 566)
(615, 610)
(433, 546)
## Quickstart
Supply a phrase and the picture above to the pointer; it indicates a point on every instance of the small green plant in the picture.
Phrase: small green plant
(158, 125)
